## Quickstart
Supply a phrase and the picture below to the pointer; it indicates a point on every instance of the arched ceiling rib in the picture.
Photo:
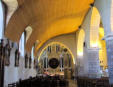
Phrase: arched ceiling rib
(63, 26)
(48, 18)
(11, 7)
(18, 22)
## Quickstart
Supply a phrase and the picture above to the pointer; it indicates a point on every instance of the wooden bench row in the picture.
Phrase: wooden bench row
(41, 82)
(88, 82)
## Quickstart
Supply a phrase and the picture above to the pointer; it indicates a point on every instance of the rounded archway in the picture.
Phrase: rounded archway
(61, 53)
(80, 47)
(80, 42)
(91, 26)
(97, 35)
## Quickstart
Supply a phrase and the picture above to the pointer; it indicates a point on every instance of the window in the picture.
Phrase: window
(49, 49)
(32, 53)
(57, 48)
(45, 62)
(1, 20)
(21, 44)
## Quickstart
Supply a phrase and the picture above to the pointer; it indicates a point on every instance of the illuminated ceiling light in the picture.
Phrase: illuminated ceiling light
(94, 45)
(80, 53)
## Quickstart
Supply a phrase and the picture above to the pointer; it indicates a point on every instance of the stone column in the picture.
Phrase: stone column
(91, 62)
(109, 47)
(80, 65)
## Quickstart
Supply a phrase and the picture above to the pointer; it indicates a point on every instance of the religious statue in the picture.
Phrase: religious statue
(26, 61)
(17, 57)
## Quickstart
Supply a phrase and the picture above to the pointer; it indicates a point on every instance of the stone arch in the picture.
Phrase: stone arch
(80, 42)
(104, 9)
(80, 47)
(59, 44)
(94, 27)
(64, 39)
(91, 26)
(68, 56)
(100, 34)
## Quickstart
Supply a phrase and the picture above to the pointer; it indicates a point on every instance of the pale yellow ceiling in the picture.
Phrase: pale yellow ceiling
(48, 18)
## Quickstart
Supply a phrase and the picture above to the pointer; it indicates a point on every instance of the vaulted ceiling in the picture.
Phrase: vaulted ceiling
(48, 19)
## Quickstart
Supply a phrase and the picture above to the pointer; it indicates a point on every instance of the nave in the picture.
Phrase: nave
(56, 43)
(59, 81)
(45, 81)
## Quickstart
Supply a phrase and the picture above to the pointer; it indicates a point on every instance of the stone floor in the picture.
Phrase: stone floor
(72, 83)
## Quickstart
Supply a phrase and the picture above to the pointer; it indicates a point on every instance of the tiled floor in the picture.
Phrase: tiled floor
(72, 83)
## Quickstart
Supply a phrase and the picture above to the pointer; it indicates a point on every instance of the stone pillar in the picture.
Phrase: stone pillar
(80, 65)
(109, 46)
(91, 62)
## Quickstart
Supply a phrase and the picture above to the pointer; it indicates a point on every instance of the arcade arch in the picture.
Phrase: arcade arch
(91, 26)
(59, 51)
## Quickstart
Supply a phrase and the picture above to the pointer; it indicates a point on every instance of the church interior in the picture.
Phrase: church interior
(56, 43)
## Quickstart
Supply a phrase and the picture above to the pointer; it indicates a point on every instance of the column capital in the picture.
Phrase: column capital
(93, 48)
(108, 37)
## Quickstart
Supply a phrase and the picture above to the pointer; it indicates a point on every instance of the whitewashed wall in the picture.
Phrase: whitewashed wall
(13, 74)
(68, 40)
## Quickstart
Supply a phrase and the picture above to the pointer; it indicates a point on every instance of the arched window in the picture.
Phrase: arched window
(32, 53)
(1, 20)
(21, 44)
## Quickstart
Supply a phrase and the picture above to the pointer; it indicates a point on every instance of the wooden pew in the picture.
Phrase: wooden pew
(88, 82)
(41, 81)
